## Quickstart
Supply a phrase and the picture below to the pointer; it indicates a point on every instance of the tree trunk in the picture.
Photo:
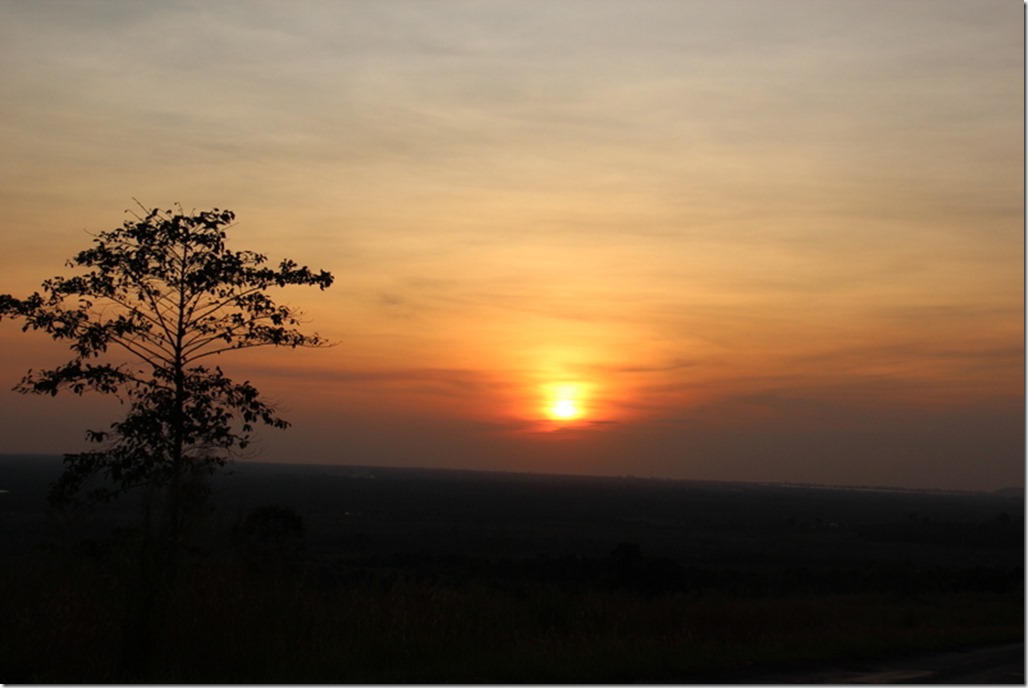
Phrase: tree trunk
(136, 661)
(174, 514)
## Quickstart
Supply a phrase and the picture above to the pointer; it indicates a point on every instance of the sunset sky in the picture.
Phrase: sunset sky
(727, 239)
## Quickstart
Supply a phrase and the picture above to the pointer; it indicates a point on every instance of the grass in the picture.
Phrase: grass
(229, 622)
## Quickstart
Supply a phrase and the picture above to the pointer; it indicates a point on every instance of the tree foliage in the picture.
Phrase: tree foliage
(166, 293)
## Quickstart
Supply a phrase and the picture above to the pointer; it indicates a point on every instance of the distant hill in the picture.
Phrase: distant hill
(523, 515)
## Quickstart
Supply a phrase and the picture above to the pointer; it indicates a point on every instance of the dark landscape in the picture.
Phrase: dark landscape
(348, 574)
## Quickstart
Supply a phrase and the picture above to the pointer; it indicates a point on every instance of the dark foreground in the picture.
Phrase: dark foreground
(344, 575)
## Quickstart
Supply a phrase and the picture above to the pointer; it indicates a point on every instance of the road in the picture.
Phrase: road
(994, 665)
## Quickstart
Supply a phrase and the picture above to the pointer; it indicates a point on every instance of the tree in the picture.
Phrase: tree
(165, 290)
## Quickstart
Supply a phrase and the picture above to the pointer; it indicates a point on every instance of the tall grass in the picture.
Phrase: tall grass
(227, 621)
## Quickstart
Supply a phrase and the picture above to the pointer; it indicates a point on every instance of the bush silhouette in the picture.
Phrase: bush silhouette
(273, 537)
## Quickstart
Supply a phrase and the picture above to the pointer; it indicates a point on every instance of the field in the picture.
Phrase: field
(344, 574)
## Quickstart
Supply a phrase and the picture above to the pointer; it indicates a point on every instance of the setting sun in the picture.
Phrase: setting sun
(565, 409)
(564, 402)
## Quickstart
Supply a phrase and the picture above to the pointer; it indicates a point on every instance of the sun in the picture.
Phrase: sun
(563, 402)
(564, 409)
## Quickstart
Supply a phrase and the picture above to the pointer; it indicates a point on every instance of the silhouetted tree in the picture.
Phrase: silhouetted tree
(165, 293)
